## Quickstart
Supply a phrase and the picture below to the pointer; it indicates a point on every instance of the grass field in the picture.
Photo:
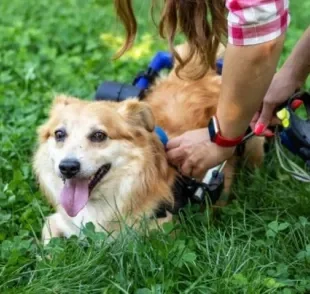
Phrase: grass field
(259, 244)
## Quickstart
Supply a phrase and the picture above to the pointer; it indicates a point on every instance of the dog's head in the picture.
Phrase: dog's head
(87, 141)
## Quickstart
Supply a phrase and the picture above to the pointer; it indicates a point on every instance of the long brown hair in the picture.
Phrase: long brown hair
(191, 18)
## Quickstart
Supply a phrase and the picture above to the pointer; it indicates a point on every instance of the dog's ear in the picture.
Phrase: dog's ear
(43, 132)
(137, 113)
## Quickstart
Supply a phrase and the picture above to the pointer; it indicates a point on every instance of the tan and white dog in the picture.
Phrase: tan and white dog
(100, 161)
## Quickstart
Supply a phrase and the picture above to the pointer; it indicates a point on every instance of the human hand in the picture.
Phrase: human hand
(194, 153)
(281, 88)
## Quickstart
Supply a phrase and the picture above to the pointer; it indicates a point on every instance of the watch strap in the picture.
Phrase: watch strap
(217, 138)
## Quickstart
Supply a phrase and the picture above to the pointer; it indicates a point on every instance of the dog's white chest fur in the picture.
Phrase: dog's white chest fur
(104, 212)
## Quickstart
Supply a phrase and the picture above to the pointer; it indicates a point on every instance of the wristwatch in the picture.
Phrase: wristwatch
(217, 138)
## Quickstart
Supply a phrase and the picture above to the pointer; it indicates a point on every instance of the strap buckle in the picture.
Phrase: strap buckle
(213, 188)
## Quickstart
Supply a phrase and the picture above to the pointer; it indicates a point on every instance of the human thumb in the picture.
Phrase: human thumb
(264, 118)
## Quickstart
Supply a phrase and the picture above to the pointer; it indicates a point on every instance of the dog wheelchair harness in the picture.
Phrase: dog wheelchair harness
(295, 135)
(295, 131)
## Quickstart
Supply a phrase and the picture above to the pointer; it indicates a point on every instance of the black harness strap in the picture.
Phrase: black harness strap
(149, 74)
(183, 192)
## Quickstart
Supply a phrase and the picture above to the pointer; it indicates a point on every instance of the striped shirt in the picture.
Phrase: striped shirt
(253, 22)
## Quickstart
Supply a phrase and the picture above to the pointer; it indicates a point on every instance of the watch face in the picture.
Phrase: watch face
(213, 128)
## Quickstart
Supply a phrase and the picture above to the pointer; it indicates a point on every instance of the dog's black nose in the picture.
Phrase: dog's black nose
(69, 167)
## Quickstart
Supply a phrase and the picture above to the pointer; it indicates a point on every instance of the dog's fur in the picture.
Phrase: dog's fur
(140, 178)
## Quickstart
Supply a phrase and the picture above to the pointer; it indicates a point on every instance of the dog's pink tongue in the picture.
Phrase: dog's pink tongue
(74, 196)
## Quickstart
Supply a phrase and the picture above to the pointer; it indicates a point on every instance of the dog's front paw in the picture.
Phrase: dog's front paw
(51, 229)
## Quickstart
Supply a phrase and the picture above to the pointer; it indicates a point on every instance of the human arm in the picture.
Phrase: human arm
(290, 77)
(247, 73)
(243, 90)
(256, 34)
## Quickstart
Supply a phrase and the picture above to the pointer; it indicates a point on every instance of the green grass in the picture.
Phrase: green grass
(258, 244)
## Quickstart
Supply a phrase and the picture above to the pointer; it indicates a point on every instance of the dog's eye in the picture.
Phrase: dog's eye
(60, 135)
(98, 136)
